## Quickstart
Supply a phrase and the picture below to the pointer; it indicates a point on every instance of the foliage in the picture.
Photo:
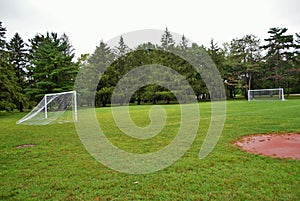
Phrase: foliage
(279, 56)
(52, 69)
(10, 88)
(18, 58)
(46, 65)
(243, 62)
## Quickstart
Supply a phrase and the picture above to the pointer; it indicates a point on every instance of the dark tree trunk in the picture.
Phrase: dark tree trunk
(21, 107)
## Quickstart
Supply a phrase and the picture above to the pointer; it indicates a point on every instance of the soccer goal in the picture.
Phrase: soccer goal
(266, 94)
(53, 108)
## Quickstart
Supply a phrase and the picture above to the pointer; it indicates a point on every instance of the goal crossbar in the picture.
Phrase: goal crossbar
(266, 94)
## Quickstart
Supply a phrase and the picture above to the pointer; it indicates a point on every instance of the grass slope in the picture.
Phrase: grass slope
(59, 168)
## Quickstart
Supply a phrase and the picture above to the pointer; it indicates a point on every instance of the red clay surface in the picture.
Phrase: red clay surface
(25, 145)
(272, 145)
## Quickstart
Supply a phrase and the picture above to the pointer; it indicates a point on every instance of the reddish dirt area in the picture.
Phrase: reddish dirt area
(272, 145)
(25, 145)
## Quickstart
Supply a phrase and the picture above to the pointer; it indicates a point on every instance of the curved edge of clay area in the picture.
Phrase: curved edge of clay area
(274, 145)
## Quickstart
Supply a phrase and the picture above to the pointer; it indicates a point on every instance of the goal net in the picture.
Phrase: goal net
(53, 108)
(266, 94)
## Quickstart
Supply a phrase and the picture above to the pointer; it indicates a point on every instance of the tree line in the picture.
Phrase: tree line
(47, 64)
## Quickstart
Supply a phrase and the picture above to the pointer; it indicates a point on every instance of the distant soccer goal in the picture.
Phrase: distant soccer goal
(53, 108)
(266, 94)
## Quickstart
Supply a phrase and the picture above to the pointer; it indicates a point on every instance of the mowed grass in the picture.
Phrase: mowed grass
(59, 168)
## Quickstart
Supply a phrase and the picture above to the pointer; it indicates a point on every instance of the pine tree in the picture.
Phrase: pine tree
(293, 72)
(183, 43)
(119, 64)
(9, 89)
(167, 41)
(52, 69)
(243, 60)
(2, 36)
(278, 55)
(122, 49)
(98, 64)
(217, 55)
(18, 58)
(101, 58)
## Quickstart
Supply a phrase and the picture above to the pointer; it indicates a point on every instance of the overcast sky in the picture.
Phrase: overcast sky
(87, 22)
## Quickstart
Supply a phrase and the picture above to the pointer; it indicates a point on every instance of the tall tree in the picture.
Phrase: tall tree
(98, 64)
(217, 55)
(18, 57)
(2, 36)
(244, 60)
(52, 68)
(183, 43)
(293, 74)
(119, 64)
(122, 49)
(9, 89)
(167, 41)
(102, 57)
(278, 55)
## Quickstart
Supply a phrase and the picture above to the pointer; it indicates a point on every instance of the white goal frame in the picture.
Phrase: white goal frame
(55, 94)
(42, 107)
(280, 93)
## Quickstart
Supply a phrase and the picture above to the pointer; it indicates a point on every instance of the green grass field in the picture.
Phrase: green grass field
(59, 168)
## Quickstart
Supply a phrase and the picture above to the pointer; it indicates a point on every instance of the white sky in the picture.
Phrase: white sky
(86, 22)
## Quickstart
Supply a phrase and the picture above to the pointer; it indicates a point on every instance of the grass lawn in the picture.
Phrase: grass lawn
(59, 168)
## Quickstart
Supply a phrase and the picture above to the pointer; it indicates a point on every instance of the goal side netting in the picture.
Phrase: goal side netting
(53, 108)
(266, 94)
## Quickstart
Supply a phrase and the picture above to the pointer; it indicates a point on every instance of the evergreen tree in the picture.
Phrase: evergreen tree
(122, 49)
(293, 73)
(18, 58)
(217, 55)
(278, 55)
(183, 43)
(119, 64)
(244, 60)
(9, 89)
(52, 69)
(2, 36)
(167, 41)
(102, 57)
(95, 67)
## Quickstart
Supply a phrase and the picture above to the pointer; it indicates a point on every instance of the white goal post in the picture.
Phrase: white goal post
(53, 108)
(266, 94)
